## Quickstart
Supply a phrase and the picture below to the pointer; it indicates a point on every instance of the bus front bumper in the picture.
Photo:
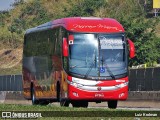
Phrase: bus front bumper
(97, 95)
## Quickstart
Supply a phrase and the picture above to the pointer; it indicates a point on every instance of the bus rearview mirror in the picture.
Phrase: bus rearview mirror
(132, 49)
(65, 47)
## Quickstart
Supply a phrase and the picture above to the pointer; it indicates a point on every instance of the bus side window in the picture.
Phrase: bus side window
(51, 43)
(58, 42)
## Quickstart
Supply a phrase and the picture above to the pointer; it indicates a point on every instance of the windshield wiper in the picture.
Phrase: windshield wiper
(90, 68)
(110, 72)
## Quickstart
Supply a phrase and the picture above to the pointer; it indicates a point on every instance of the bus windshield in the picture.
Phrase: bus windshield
(98, 55)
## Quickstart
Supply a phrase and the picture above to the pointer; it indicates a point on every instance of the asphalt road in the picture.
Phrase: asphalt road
(123, 105)
(14, 98)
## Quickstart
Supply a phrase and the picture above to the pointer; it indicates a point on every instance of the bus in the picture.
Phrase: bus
(76, 60)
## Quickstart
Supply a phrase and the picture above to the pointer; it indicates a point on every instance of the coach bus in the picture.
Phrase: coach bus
(76, 60)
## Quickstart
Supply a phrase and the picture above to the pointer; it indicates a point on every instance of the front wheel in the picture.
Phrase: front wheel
(80, 104)
(112, 104)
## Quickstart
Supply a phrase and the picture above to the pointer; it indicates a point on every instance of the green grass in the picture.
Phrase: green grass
(50, 107)
(67, 113)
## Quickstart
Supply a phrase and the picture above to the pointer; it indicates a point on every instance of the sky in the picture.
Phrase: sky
(5, 4)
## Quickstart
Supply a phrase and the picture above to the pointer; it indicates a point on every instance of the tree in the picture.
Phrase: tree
(85, 7)
(17, 2)
(130, 13)
(141, 30)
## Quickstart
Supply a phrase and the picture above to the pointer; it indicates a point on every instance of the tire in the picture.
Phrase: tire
(34, 101)
(64, 103)
(112, 104)
(43, 102)
(80, 104)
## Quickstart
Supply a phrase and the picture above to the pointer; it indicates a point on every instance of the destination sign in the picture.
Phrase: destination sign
(111, 43)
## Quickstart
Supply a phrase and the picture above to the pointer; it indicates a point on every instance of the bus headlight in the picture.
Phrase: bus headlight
(76, 84)
(122, 85)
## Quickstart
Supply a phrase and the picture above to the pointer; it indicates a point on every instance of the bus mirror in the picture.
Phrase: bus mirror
(132, 49)
(65, 47)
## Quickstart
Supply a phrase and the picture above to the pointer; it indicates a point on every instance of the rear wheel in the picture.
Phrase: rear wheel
(34, 101)
(80, 104)
(64, 103)
(43, 102)
(112, 104)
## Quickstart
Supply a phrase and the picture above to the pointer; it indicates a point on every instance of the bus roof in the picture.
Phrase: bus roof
(83, 24)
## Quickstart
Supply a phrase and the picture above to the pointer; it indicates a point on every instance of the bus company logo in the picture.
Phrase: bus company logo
(6, 115)
(99, 88)
(95, 26)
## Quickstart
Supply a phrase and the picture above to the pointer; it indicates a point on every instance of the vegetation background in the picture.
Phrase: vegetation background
(135, 15)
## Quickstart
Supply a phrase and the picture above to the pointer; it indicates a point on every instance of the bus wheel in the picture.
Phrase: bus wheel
(64, 103)
(34, 101)
(44, 102)
(112, 104)
(80, 104)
